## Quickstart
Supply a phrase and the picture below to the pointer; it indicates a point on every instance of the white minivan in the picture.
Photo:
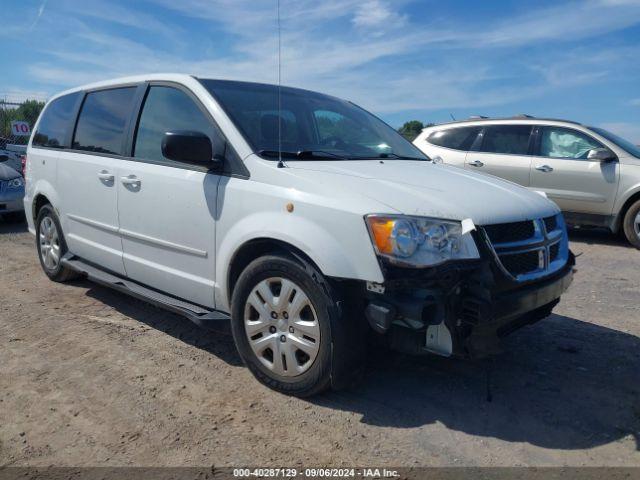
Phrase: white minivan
(302, 219)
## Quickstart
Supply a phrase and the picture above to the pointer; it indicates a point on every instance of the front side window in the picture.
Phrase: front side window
(166, 109)
(55, 122)
(621, 142)
(102, 121)
(460, 138)
(565, 143)
(310, 125)
(507, 139)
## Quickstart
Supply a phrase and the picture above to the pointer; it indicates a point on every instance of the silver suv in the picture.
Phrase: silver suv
(592, 174)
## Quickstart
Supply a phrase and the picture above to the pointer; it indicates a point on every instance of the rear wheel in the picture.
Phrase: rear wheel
(51, 246)
(631, 224)
(286, 323)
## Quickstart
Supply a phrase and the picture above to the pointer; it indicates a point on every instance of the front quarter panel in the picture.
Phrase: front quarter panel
(628, 186)
(336, 240)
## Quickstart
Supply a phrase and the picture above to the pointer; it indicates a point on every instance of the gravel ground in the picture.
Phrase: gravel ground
(92, 377)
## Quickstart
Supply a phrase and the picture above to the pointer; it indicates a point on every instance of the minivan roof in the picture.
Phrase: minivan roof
(177, 77)
(172, 77)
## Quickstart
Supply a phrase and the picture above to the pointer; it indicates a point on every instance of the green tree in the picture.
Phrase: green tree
(411, 129)
(28, 112)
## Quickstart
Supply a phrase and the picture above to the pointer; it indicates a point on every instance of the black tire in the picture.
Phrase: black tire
(59, 273)
(333, 360)
(629, 225)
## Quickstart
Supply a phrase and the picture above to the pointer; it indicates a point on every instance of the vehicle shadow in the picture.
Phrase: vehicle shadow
(12, 227)
(597, 236)
(217, 341)
(560, 384)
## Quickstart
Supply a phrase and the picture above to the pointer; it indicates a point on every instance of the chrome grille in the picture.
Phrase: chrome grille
(529, 249)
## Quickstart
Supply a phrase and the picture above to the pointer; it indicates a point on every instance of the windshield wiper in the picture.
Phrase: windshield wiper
(301, 154)
(399, 157)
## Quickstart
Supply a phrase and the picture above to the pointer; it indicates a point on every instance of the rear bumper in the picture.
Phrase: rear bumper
(461, 311)
(12, 201)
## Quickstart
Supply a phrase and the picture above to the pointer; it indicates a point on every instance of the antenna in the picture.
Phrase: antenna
(452, 117)
(280, 163)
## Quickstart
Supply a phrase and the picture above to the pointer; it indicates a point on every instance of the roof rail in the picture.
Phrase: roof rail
(478, 117)
(523, 115)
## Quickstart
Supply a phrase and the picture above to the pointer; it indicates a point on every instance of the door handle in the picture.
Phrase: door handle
(476, 163)
(105, 176)
(130, 180)
(544, 168)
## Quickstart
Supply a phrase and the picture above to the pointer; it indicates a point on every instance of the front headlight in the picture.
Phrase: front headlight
(419, 241)
(15, 182)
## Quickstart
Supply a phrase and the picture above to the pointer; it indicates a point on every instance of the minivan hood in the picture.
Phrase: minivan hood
(424, 189)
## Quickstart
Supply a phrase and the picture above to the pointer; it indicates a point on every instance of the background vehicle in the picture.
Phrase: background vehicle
(593, 175)
(11, 193)
(305, 220)
(11, 159)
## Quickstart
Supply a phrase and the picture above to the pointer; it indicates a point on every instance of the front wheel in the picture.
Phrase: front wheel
(286, 323)
(631, 224)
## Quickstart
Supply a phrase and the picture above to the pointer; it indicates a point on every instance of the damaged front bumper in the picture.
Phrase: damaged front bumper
(459, 309)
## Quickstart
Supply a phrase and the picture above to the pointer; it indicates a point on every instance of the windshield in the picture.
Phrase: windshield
(621, 142)
(310, 125)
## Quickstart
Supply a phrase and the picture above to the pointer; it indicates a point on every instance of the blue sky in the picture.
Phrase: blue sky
(401, 59)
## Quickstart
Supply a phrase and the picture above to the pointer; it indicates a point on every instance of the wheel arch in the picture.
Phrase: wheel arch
(39, 201)
(256, 248)
(631, 199)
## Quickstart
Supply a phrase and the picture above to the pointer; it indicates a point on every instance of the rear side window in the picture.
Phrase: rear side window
(166, 109)
(456, 138)
(55, 122)
(508, 139)
(102, 121)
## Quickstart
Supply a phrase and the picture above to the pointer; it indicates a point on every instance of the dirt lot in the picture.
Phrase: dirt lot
(92, 377)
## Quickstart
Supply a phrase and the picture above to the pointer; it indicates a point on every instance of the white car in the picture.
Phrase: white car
(301, 218)
(592, 174)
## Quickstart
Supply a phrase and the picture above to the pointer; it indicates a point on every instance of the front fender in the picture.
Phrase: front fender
(339, 244)
(625, 193)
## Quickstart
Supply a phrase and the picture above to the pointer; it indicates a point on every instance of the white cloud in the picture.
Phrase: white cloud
(397, 70)
(570, 21)
(377, 15)
(40, 12)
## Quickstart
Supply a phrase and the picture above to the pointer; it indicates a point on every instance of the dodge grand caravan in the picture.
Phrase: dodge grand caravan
(305, 221)
(592, 174)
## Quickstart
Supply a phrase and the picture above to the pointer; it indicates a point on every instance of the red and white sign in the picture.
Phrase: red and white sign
(21, 129)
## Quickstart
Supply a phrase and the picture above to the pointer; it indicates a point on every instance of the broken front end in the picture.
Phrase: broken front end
(463, 307)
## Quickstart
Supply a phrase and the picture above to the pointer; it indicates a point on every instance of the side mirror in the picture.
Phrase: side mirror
(189, 146)
(601, 155)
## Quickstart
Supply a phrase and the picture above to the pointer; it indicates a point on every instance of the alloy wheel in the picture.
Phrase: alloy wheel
(282, 326)
(49, 243)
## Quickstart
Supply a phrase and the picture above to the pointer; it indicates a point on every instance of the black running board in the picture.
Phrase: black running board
(201, 316)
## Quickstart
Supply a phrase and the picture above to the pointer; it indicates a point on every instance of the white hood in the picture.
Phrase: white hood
(424, 189)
